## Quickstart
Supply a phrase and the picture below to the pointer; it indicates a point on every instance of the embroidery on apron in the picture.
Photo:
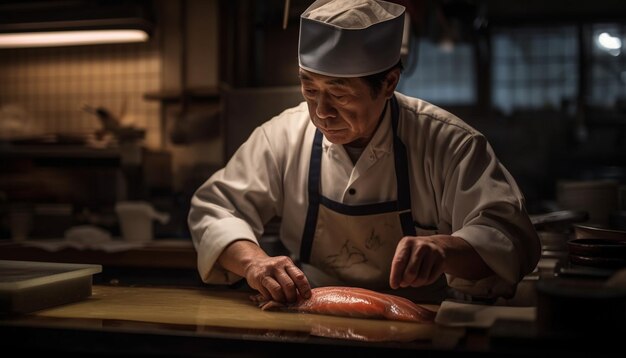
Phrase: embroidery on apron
(374, 242)
(346, 258)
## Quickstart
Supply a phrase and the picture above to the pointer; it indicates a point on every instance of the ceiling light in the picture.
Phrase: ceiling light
(78, 22)
(70, 38)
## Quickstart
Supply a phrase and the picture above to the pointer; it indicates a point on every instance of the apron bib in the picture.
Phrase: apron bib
(353, 245)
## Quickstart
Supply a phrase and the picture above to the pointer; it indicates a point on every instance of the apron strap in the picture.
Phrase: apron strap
(402, 178)
(402, 175)
(315, 169)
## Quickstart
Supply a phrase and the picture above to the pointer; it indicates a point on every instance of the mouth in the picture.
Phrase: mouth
(327, 130)
(332, 131)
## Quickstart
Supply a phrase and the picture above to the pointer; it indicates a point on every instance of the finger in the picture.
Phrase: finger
(417, 265)
(258, 298)
(263, 292)
(436, 272)
(274, 288)
(299, 278)
(411, 270)
(255, 281)
(413, 265)
(287, 285)
(398, 263)
(432, 269)
(423, 274)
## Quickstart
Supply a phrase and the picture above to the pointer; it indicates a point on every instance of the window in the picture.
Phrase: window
(534, 68)
(441, 75)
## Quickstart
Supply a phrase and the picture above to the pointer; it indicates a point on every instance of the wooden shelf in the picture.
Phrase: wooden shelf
(161, 254)
(57, 151)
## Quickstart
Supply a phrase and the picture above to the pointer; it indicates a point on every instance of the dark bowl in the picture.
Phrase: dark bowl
(596, 261)
(605, 253)
(598, 232)
(601, 248)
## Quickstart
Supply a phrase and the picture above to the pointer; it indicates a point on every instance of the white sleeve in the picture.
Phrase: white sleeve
(488, 211)
(234, 204)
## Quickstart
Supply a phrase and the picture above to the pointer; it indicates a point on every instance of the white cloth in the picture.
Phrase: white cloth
(85, 237)
(350, 38)
(357, 14)
(458, 187)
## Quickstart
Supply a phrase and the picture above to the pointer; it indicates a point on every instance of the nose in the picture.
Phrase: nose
(324, 108)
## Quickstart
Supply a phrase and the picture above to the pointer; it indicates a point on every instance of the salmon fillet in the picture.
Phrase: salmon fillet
(353, 302)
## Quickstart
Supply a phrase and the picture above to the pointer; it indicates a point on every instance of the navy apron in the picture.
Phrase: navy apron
(353, 245)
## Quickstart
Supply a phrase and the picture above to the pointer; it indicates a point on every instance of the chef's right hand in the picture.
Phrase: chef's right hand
(277, 278)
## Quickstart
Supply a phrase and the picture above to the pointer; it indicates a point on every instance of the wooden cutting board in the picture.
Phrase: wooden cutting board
(207, 308)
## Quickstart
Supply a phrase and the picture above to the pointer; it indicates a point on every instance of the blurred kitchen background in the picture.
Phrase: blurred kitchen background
(85, 127)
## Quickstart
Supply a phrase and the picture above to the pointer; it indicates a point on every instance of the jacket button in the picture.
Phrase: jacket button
(351, 191)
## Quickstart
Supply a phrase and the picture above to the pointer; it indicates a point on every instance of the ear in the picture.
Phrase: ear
(391, 82)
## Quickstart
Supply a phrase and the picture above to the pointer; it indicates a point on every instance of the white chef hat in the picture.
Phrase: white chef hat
(350, 38)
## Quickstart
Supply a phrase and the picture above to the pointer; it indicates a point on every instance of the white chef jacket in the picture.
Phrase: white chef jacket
(458, 187)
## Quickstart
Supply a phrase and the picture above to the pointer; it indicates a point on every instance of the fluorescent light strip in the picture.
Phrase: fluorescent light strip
(70, 38)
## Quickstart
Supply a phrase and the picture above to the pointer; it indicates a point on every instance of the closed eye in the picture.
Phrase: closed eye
(341, 98)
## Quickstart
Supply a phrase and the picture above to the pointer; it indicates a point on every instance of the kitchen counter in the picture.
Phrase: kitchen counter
(174, 318)
(218, 321)
(204, 321)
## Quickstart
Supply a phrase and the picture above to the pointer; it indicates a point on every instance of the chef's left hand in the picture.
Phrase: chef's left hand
(418, 261)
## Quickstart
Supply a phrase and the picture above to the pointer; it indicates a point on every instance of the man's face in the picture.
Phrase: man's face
(342, 108)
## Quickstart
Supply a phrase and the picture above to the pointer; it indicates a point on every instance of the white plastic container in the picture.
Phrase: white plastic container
(136, 219)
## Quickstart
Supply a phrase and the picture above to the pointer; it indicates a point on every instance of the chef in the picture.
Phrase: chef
(374, 188)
